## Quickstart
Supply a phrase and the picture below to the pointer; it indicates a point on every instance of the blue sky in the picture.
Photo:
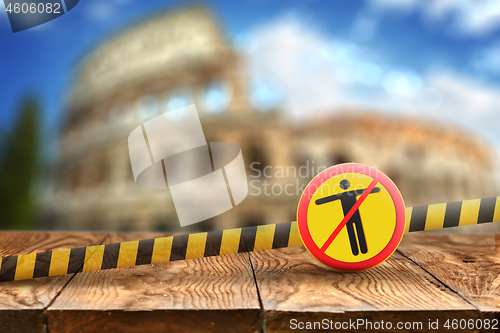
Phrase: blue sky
(438, 59)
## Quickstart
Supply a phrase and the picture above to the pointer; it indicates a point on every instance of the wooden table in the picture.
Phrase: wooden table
(430, 277)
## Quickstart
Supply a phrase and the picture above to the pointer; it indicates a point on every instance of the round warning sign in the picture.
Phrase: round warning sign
(351, 217)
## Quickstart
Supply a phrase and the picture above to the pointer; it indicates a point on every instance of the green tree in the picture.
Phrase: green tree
(19, 168)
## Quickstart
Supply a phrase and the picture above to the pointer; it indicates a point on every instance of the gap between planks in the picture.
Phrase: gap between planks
(440, 280)
(263, 323)
(262, 317)
(45, 309)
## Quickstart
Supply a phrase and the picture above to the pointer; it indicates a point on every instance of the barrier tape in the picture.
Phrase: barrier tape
(230, 241)
(452, 214)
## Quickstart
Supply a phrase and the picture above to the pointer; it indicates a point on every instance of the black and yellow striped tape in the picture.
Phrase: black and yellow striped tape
(230, 241)
(149, 251)
(452, 214)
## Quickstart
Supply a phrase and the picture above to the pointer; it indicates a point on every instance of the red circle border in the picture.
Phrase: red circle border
(317, 181)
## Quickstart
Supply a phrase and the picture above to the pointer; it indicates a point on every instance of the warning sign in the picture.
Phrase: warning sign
(351, 217)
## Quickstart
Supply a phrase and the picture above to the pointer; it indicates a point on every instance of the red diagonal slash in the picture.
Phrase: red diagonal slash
(349, 215)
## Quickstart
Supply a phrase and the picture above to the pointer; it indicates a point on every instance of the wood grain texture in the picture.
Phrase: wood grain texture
(22, 302)
(207, 294)
(468, 264)
(433, 277)
(292, 282)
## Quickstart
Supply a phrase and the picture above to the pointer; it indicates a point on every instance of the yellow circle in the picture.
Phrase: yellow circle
(377, 214)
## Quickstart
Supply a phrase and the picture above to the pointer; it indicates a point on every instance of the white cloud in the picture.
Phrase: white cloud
(316, 74)
(298, 61)
(313, 73)
(488, 59)
(403, 83)
(467, 101)
(469, 17)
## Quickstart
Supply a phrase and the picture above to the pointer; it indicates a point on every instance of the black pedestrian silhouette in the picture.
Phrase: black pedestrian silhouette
(348, 200)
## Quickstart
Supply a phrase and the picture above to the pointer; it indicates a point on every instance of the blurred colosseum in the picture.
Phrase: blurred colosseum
(181, 57)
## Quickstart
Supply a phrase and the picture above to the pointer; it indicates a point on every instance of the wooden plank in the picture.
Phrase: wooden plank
(22, 302)
(215, 294)
(468, 264)
(294, 285)
(153, 321)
